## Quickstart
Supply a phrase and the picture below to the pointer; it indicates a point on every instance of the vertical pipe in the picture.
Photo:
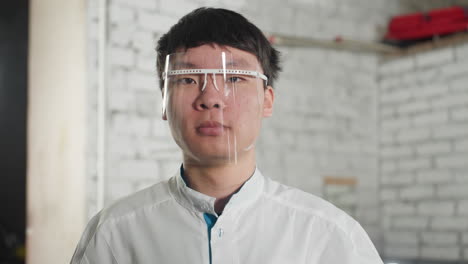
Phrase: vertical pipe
(102, 106)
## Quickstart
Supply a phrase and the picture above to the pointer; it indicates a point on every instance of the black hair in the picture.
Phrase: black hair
(223, 27)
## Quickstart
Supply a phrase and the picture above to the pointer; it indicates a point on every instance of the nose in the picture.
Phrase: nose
(211, 96)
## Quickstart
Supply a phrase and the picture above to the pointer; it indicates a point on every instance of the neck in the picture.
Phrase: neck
(220, 181)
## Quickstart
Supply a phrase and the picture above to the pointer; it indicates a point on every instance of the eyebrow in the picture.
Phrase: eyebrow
(184, 65)
(190, 65)
(238, 62)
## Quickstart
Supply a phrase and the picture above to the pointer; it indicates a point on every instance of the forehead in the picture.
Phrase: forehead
(213, 56)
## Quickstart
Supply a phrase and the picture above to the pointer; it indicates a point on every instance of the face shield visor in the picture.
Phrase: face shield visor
(214, 104)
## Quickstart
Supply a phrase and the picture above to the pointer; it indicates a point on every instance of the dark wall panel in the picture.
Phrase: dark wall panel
(13, 106)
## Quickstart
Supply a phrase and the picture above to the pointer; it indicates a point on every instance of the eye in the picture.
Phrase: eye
(185, 81)
(235, 79)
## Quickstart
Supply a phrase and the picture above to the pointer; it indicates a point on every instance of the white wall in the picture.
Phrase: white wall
(424, 154)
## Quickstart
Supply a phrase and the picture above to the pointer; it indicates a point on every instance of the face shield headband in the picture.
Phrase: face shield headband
(213, 72)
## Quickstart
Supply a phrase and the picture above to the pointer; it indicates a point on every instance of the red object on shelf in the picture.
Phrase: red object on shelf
(437, 22)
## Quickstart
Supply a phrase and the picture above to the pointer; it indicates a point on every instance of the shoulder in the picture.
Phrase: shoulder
(314, 213)
(342, 231)
(94, 240)
(307, 205)
(144, 199)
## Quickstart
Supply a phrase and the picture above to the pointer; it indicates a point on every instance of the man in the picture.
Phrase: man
(216, 72)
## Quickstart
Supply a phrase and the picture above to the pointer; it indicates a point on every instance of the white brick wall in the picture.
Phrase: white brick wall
(402, 251)
(443, 253)
(140, 4)
(411, 223)
(436, 208)
(438, 57)
(423, 154)
(431, 148)
(409, 239)
(452, 190)
(449, 223)
(440, 238)
(416, 192)
(462, 208)
(433, 176)
(399, 208)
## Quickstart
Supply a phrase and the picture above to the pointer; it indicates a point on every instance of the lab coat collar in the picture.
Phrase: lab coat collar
(199, 202)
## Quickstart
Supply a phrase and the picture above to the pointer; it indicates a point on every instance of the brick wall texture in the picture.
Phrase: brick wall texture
(423, 156)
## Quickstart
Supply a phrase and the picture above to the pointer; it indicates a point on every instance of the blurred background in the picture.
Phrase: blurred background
(379, 128)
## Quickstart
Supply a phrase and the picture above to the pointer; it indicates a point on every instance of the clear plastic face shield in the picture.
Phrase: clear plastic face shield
(213, 102)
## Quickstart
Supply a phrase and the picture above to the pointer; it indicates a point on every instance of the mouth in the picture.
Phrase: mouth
(210, 128)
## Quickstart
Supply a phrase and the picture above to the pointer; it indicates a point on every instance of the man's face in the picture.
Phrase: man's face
(215, 118)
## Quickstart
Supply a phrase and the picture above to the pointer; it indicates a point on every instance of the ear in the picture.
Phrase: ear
(268, 100)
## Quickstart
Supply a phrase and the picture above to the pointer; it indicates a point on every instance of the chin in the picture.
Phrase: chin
(209, 160)
(214, 150)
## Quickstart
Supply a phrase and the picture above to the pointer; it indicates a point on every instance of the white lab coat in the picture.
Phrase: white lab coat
(264, 222)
